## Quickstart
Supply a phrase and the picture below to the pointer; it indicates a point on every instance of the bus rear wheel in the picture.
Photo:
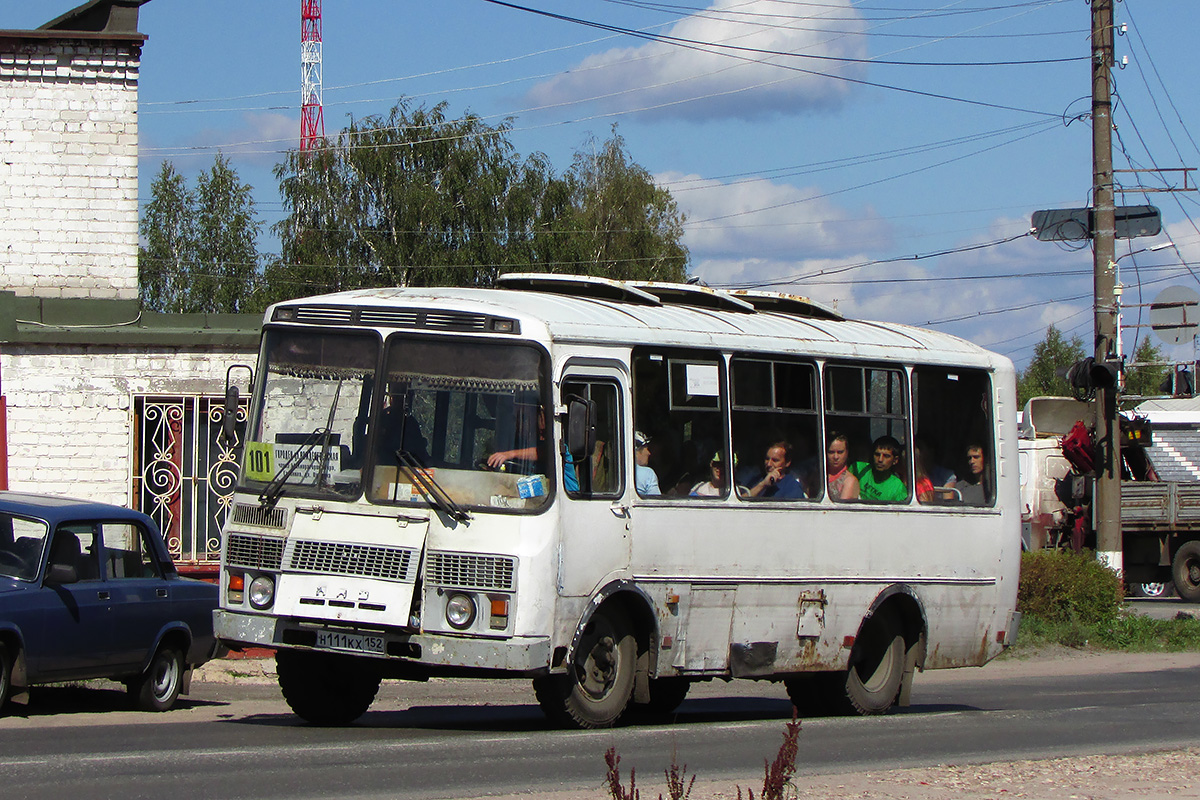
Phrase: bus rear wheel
(326, 688)
(1185, 569)
(598, 684)
(876, 666)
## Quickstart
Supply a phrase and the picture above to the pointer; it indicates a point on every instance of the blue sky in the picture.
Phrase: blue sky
(904, 131)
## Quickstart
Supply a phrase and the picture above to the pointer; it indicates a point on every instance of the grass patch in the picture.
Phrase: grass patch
(1127, 632)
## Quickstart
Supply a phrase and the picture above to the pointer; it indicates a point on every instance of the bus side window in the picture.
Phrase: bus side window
(606, 461)
(677, 406)
(775, 429)
(954, 435)
(867, 405)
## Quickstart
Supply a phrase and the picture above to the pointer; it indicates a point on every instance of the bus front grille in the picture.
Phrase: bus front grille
(334, 558)
(255, 552)
(273, 517)
(468, 571)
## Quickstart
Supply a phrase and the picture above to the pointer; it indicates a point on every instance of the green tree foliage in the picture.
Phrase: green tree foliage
(1052, 354)
(166, 229)
(414, 198)
(620, 224)
(200, 252)
(1145, 380)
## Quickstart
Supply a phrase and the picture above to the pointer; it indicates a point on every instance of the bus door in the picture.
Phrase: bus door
(595, 519)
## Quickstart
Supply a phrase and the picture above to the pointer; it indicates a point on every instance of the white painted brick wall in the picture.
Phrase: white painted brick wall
(68, 169)
(70, 428)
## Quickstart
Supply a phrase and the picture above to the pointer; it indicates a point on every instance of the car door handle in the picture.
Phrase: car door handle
(102, 595)
(161, 592)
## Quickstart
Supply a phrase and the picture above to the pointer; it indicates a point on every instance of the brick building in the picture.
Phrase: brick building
(99, 399)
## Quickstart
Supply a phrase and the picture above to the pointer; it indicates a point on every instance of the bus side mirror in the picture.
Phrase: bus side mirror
(581, 428)
(232, 402)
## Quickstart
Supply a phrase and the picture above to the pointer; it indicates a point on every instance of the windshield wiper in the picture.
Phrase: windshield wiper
(433, 492)
(272, 491)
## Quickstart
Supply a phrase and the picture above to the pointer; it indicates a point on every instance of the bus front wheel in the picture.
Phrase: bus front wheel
(1185, 569)
(326, 688)
(598, 684)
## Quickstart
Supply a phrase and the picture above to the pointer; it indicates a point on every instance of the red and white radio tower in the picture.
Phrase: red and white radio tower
(312, 124)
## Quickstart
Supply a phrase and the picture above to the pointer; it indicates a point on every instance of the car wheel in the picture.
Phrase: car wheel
(6, 664)
(158, 687)
(1152, 589)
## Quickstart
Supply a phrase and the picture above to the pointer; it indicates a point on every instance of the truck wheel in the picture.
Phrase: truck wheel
(599, 681)
(326, 688)
(157, 688)
(1185, 569)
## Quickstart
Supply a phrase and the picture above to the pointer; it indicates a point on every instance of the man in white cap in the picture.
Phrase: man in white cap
(644, 478)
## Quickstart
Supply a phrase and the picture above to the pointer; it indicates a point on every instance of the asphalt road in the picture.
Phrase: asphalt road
(474, 738)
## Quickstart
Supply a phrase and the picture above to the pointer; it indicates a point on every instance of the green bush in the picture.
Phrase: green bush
(1062, 587)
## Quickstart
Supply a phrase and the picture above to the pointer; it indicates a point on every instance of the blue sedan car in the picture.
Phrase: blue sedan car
(88, 590)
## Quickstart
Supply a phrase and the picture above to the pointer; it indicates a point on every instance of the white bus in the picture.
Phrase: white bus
(458, 482)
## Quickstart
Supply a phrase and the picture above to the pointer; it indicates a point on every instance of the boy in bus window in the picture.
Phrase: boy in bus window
(777, 481)
(975, 487)
(645, 478)
(878, 481)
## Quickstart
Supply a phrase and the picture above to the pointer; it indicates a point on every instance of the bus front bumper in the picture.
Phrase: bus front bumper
(516, 654)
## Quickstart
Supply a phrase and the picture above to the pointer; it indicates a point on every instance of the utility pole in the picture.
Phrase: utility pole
(1107, 502)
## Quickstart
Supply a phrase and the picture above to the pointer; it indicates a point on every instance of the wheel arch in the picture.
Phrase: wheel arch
(902, 600)
(638, 607)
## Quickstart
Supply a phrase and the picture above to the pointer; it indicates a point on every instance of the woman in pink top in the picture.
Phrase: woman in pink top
(842, 484)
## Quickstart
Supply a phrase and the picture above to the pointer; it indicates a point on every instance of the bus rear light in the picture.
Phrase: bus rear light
(847, 642)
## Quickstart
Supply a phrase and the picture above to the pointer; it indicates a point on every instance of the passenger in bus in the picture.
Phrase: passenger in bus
(843, 485)
(529, 452)
(878, 481)
(644, 477)
(777, 481)
(715, 485)
(928, 450)
(923, 487)
(975, 486)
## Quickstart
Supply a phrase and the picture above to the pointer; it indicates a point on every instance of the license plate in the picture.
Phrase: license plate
(359, 643)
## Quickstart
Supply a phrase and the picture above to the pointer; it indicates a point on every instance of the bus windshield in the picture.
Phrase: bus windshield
(308, 435)
(469, 415)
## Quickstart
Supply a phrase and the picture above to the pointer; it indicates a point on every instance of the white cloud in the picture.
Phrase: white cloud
(665, 80)
(760, 219)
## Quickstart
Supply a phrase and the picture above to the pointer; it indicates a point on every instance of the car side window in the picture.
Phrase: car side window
(127, 554)
(76, 546)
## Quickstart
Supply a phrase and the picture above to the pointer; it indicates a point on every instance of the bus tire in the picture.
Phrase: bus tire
(876, 666)
(666, 695)
(326, 688)
(1185, 570)
(598, 684)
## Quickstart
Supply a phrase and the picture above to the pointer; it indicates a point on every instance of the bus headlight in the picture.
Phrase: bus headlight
(262, 591)
(460, 610)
